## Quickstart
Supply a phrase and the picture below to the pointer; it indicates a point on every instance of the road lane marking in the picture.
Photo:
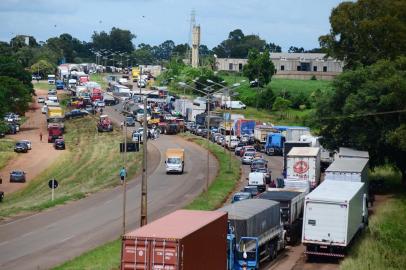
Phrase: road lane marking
(4, 243)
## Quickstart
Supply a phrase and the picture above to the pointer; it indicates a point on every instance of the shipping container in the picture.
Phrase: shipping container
(348, 169)
(345, 152)
(333, 214)
(261, 133)
(291, 204)
(252, 217)
(244, 127)
(293, 133)
(287, 146)
(182, 240)
(303, 163)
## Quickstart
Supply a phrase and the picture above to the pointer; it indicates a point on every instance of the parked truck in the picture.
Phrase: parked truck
(104, 124)
(254, 234)
(287, 146)
(54, 132)
(303, 163)
(184, 239)
(260, 136)
(109, 100)
(243, 127)
(293, 133)
(291, 203)
(334, 213)
(175, 160)
(274, 144)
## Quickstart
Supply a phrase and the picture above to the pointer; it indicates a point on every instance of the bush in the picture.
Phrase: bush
(313, 78)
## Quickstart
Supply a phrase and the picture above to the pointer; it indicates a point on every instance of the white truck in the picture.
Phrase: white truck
(333, 215)
(175, 160)
(348, 169)
(51, 79)
(233, 105)
(303, 163)
(257, 179)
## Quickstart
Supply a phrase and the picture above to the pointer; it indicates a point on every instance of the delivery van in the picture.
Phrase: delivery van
(175, 160)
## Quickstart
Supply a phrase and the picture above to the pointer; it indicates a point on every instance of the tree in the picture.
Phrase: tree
(164, 50)
(180, 50)
(274, 48)
(280, 104)
(117, 40)
(365, 31)
(238, 45)
(43, 67)
(293, 49)
(259, 66)
(266, 98)
(18, 42)
(11, 68)
(14, 96)
(366, 110)
(144, 55)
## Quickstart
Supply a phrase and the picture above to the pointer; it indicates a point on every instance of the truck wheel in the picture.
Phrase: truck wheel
(273, 250)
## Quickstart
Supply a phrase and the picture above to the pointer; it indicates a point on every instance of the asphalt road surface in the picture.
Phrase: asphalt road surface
(49, 238)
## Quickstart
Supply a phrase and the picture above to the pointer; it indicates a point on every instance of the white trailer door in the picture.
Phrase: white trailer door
(324, 222)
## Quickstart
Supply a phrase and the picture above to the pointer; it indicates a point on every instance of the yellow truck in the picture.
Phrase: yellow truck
(175, 160)
(135, 73)
(55, 112)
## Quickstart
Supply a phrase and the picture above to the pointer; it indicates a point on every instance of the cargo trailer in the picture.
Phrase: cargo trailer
(287, 146)
(303, 163)
(348, 169)
(182, 240)
(333, 215)
(260, 135)
(255, 233)
(345, 152)
(291, 204)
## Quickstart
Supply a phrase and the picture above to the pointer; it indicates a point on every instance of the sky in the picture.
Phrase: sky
(285, 22)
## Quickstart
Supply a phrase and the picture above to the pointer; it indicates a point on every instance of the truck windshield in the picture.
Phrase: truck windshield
(174, 161)
(247, 247)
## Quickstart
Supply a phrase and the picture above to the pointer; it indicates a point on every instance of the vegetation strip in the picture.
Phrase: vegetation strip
(107, 256)
(89, 164)
(6, 152)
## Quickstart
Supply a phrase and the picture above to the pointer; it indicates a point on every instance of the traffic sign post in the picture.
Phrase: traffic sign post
(53, 184)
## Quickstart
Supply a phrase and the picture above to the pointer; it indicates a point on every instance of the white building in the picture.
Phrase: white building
(292, 65)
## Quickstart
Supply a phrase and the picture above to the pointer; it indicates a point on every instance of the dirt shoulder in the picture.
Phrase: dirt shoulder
(39, 157)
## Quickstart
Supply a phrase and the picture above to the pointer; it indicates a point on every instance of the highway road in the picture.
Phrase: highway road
(49, 238)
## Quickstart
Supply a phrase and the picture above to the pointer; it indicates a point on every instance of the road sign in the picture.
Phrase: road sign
(131, 147)
(53, 183)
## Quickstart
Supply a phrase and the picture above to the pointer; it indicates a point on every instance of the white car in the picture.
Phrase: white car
(44, 109)
(41, 100)
(99, 103)
(28, 143)
(248, 157)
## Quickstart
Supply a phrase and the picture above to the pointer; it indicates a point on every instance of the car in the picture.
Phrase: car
(36, 77)
(238, 148)
(240, 196)
(59, 144)
(99, 103)
(259, 163)
(247, 158)
(251, 189)
(59, 85)
(44, 109)
(52, 92)
(21, 147)
(129, 121)
(76, 114)
(41, 100)
(89, 109)
(17, 176)
(268, 176)
(28, 143)
(248, 148)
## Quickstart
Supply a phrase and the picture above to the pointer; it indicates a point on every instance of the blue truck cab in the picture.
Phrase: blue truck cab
(59, 85)
(274, 144)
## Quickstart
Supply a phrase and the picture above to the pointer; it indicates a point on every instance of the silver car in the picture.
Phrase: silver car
(248, 157)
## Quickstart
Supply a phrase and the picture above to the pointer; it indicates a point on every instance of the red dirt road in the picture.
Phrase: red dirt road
(39, 157)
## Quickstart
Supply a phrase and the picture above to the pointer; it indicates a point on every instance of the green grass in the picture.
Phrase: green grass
(90, 163)
(42, 85)
(383, 244)
(100, 79)
(6, 151)
(107, 257)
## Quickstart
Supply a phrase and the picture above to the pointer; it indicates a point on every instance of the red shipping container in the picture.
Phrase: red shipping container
(182, 240)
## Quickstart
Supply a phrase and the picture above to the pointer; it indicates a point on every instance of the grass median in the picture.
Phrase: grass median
(89, 164)
(6, 152)
(107, 256)
(383, 244)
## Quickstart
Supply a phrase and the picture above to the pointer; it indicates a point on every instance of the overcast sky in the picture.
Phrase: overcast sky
(285, 22)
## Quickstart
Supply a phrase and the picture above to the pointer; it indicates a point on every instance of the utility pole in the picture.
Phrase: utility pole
(229, 146)
(208, 140)
(144, 169)
(125, 176)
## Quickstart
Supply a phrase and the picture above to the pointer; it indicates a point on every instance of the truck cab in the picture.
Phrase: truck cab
(274, 144)
(51, 79)
(175, 160)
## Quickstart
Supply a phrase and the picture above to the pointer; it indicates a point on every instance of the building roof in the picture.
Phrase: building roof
(247, 208)
(287, 56)
(356, 165)
(349, 152)
(335, 191)
(176, 225)
(280, 196)
(304, 151)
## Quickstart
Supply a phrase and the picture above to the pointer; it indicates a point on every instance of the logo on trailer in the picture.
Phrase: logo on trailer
(301, 167)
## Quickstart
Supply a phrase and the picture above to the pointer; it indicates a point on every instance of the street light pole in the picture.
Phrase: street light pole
(125, 175)
(144, 169)
(208, 141)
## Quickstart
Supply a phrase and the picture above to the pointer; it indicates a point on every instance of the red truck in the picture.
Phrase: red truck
(96, 94)
(54, 132)
(182, 240)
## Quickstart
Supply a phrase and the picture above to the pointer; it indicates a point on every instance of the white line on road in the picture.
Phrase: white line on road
(4, 243)
(66, 239)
